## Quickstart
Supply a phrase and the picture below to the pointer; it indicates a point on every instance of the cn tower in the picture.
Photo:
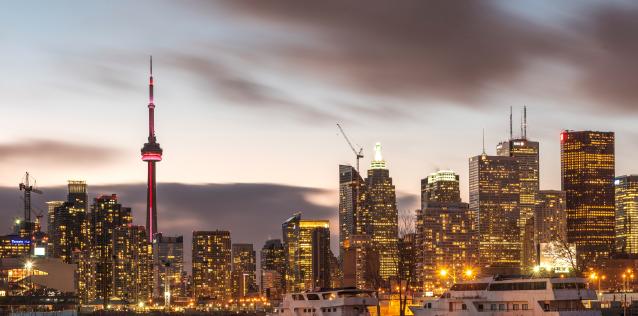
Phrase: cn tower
(151, 153)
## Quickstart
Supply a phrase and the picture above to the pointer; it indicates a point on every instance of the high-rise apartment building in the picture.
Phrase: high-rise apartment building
(526, 153)
(303, 267)
(627, 214)
(446, 231)
(321, 257)
(168, 256)
(273, 269)
(132, 264)
(381, 201)
(212, 264)
(68, 223)
(244, 270)
(106, 216)
(360, 263)
(354, 217)
(494, 203)
(550, 218)
(587, 177)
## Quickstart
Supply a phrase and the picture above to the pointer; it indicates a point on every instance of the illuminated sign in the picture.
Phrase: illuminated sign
(20, 242)
(617, 182)
(39, 251)
(519, 143)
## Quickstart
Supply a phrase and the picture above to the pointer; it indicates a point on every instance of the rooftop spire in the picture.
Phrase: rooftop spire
(511, 131)
(378, 162)
(524, 121)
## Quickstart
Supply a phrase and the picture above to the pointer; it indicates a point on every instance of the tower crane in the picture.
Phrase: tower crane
(28, 188)
(358, 154)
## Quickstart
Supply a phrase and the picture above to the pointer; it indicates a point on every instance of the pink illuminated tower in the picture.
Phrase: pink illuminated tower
(151, 153)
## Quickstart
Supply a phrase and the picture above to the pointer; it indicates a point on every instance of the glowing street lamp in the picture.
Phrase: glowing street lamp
(469, 273)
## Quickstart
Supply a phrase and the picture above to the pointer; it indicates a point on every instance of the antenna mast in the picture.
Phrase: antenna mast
(511, 132)
(524, 121)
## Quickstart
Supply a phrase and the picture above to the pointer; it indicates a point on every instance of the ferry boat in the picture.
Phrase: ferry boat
(513, 296)
(341, 302)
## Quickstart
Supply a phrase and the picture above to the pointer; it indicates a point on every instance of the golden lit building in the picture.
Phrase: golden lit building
(354, 216)
(306, 247)
(106, 215)
(526, 153)
(550, 218)
(273, 269)
(494, 204)
(66, 221)
(132, 264)
(14, 246)
(382, 205)
(360, 263)
(212, 262)
(587, 177)
(244, 270)
(627, 214)
(168, 254)
(446, 232)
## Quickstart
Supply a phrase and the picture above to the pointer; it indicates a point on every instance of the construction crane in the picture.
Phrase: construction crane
(358, 154)
(28, 188)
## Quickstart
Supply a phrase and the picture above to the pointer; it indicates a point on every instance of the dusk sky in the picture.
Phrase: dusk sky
(247, 96)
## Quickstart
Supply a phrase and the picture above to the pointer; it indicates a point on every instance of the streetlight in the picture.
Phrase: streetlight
(469, 273)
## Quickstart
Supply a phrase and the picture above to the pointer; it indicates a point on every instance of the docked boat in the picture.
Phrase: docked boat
(342, 302)
(513, 296)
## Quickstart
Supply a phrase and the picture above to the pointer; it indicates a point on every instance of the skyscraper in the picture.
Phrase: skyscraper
(151, 153)
(360, 263)
(321, 257)
(273, 269)
(132, 264)
(381, 201)
(526, 153)
(627, 214)
(494, 203)
(354, 217)
(587, 177)
(550, 219)
(299, 248)
(106, 215)
(244, 270)
(447, 234)
(212, 264)
(168, 253)
(68, 223)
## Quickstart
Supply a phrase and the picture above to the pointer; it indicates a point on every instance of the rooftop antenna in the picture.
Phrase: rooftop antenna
(483, 140)
(511, 130)
(524, 122)
(521, 135)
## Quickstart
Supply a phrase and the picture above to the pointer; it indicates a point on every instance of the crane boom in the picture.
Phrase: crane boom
(358, 154)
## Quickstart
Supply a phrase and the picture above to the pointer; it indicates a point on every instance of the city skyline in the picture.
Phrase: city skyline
(400, 149)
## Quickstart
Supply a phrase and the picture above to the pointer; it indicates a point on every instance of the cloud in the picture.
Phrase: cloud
(52, 152)
(235, 84)
(460, 51)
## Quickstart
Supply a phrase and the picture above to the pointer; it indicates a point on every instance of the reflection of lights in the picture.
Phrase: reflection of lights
(140, 304)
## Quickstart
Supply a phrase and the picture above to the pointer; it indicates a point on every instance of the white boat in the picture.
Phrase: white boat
(513, 296)
(342, 302)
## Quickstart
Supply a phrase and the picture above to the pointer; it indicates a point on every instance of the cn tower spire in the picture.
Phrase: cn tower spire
(151, 153)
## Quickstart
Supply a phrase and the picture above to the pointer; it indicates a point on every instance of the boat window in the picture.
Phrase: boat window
(493, 307)
(518, 286)
(469, 287)
(429, 305)
(568, 286)
(501, 307)
(525, 307)
(298, 297)
(328, 296)
(353, 294)
(313, 297)
(515, 307)
(480, 307)
(463, 306)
